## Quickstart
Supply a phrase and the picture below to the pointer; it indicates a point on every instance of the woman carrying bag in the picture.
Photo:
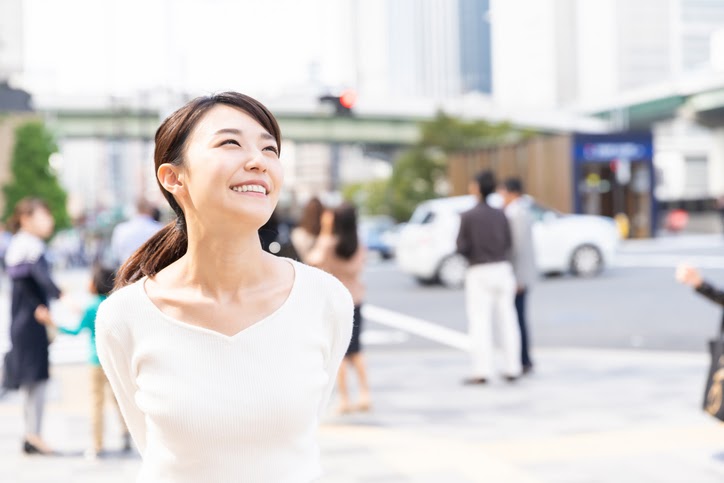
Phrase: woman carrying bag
(26, 365)
(714, 390)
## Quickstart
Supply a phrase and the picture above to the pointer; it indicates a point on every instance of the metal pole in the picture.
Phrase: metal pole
(334, 155)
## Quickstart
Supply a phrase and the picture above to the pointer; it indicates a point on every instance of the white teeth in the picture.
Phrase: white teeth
(249, 187)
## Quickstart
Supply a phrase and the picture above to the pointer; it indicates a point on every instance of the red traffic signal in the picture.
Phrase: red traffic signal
(348, 98)
(343, 103)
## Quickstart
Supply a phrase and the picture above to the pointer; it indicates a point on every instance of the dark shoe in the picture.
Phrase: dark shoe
(475, 381)
(29, 448)
(511, 379)
(527, 370)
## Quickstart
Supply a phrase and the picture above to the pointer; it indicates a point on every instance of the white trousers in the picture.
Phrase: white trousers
(490, 298)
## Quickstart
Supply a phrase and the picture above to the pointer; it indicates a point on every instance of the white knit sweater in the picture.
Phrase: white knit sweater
(203, 407)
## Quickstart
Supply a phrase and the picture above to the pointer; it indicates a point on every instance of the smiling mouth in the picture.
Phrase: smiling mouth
(250, 188)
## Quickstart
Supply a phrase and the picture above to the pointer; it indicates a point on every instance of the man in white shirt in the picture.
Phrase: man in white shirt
(130, 235)
(517, 210)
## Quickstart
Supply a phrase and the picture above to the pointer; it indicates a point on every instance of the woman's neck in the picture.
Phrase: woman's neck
(223, 263)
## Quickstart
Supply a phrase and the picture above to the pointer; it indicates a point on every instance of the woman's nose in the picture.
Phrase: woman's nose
(256, 162)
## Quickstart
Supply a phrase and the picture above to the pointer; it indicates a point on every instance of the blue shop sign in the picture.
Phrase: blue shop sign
(605, 148)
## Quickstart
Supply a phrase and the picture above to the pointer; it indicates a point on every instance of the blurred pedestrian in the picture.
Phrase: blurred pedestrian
(5, 237)
(485, 241)
(720, 208)
(306, 232)
(127, 237)
(26, 365)
(101, 285)
(522, 256)
(692, 277)
(156, 214)
(338, 251)
(714, 389)
(221, 355)
(275, 238)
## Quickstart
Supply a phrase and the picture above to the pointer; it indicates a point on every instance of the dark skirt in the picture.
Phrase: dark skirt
(354, 343)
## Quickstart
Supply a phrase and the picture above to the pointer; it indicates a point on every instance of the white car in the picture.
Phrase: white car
(426, 249)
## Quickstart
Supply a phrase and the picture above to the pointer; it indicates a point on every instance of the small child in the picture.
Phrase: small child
(101, 285)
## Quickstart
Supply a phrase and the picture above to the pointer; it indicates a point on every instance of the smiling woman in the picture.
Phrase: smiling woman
(207, 338)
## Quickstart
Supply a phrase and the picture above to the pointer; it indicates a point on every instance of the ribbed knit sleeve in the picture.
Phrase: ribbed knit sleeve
(114, 344)
(338, 320)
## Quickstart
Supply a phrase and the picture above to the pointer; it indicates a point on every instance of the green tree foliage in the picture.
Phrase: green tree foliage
(420, 173)
(371, 197)
(31, 174)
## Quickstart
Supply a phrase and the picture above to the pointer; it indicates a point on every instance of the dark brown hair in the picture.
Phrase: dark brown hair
(103, 279)
(25, 207)
(311, 220)
(170, 243)
(345, 228)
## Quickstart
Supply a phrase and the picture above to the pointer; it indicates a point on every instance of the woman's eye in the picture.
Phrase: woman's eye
(273, 149)
(230, 141)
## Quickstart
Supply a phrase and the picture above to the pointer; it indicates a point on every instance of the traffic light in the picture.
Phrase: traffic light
(342, 103)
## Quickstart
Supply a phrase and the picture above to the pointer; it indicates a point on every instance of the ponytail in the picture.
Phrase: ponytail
(160, 251)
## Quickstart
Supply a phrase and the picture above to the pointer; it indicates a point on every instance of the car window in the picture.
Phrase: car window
(540, 213)
(422, 217)
(429, 218)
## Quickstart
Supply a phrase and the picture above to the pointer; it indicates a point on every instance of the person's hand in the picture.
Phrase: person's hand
(327, 223)
(42, 315)
(689, 275)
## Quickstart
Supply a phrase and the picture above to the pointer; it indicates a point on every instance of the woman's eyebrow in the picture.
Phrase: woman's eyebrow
(237, 132)
(228, 130)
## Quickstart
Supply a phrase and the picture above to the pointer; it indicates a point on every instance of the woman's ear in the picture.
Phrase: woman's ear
(170, 177)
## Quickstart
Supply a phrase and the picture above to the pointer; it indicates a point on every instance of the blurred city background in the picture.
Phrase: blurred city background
(611, 112)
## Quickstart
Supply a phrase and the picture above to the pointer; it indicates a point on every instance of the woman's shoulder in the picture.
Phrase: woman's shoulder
(24, 248)
(114, 311)
(324, 285)
(314, 276)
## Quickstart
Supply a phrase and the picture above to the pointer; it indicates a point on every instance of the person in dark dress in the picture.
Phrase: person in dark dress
(338, 251)
(26, 365)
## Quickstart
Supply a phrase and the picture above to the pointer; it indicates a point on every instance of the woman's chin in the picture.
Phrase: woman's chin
(252, 217)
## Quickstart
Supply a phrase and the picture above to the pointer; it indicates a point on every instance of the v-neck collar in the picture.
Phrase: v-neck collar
(229, 338)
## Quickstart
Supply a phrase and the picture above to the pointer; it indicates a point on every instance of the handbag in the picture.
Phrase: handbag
(9, 374)
(714, 390)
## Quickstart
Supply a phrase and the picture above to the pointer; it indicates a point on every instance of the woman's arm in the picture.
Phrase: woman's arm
(44, 317)
(112, 348)
(40, 272)
(713, 294)
(338, 320)
(321, 252)
(692, 277)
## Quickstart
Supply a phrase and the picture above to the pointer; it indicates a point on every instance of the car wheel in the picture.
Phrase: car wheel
(586, 261)
(451, 272)
(425, 281)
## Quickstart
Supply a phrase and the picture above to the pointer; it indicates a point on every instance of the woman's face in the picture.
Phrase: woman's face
(231, 169)
(40, 223)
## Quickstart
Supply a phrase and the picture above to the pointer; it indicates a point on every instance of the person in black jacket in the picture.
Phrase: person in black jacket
(26, 365)
(692, 277)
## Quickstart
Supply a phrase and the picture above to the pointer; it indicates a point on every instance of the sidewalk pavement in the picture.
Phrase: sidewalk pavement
(585, 416)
